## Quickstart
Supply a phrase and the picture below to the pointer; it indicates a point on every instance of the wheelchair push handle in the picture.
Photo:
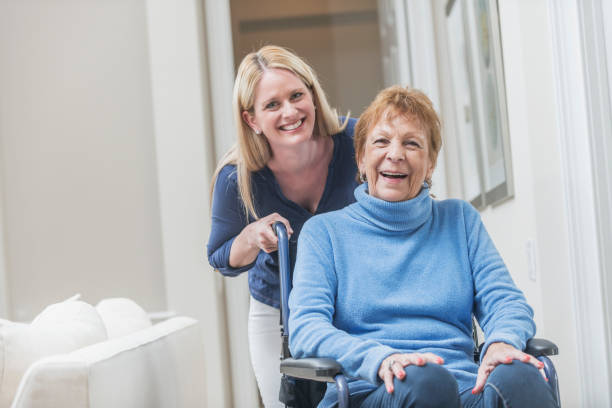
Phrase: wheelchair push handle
(284, 272)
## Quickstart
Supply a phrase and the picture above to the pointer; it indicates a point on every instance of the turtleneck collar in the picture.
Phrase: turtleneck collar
(393, 216)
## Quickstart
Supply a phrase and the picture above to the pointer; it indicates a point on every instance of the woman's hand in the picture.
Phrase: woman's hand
(258, 235)
(393, 366)
(502, 353)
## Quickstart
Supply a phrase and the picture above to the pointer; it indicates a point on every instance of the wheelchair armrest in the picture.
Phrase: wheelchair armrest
(317, 369)
(541, 347)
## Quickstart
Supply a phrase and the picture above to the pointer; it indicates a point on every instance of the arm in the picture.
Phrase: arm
(258, 235)
(312, 333)
(234, 244)
(228, 220)
(500, 307)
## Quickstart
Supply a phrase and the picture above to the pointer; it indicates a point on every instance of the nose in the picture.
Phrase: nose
(289, 110)
(395, 152)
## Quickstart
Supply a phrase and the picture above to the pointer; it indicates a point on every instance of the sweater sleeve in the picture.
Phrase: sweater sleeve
(500, 307)
(311, 305)
(228, 220)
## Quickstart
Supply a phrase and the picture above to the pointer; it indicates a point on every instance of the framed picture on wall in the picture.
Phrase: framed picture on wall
(467, 142)
(480, 100)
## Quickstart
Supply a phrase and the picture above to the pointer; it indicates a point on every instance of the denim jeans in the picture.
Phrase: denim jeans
(509, 385)
(512, 385)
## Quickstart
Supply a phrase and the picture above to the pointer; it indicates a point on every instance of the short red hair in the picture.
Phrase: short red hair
(408, 102)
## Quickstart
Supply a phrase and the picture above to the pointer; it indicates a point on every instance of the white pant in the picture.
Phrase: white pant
(265, 348)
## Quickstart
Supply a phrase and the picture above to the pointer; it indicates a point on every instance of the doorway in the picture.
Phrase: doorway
(339, 39)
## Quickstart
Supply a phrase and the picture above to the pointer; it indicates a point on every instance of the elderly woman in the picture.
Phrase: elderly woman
(388, 285)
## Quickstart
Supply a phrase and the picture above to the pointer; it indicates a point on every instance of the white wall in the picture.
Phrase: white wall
(106, 157)
(537, 210)
(78, 165)
(539, 189)
(584, 111)
(185, 157)
(221, 74)
(4, 300)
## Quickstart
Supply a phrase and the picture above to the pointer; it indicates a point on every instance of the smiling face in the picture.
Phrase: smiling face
(395, 158)
(283, 109)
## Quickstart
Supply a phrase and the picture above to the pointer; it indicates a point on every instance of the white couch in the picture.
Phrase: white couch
(160, 365)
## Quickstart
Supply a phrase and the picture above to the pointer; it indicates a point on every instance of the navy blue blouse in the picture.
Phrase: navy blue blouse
(228, 217)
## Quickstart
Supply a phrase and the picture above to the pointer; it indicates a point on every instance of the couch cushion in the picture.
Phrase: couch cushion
(122, 316)
(161, 366)
(60, 328)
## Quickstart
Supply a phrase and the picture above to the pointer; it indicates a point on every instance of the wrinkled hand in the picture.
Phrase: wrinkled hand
(393, 366)
(502, 353)
(260, 234)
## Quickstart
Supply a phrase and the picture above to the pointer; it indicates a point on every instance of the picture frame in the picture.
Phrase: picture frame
(468, 144)
(479, 101)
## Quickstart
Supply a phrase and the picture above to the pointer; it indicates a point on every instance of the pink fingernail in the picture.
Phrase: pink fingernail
(508, 359)
(440, 361)
(419, 361)
(473, 392)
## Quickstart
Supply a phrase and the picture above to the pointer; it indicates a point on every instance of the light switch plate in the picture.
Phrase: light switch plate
(532, 264)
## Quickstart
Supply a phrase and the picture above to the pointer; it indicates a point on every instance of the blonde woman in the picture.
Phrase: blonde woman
(294, 159)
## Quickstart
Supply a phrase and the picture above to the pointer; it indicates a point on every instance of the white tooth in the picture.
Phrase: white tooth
(294, 126)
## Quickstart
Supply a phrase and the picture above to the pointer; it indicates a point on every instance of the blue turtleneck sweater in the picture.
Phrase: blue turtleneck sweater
(378, 277)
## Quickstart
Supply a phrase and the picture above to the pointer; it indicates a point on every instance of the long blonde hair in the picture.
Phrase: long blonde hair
(252, 152)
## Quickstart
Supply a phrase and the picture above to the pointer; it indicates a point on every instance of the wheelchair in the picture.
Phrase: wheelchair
(329, 370)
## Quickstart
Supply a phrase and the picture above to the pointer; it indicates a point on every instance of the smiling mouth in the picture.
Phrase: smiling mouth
(391, 175)
(293, 126)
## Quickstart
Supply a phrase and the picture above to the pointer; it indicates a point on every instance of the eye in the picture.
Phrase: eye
(380, 141)
(271, 105)
(297, 95)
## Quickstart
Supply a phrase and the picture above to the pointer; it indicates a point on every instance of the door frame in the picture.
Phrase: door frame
(4, 290)
(575, 38)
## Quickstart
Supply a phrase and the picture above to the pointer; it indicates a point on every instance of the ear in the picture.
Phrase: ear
(361, 164)
(250, 120)
(430, 170)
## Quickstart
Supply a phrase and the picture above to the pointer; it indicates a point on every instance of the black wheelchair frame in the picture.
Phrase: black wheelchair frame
(329, 370)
